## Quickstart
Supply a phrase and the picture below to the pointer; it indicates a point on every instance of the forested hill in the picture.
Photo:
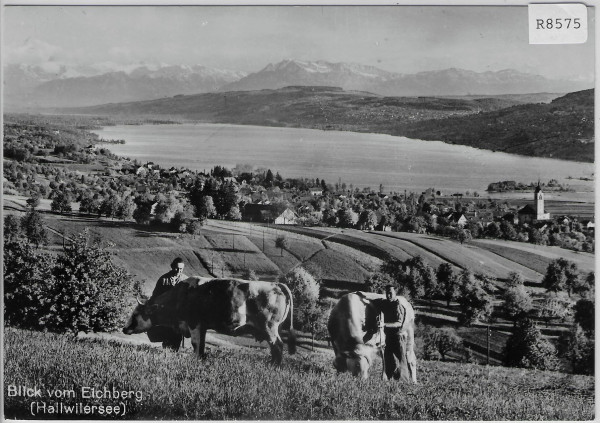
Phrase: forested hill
(562, 129)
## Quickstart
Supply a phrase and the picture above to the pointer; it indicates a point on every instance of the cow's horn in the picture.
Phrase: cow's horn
(137, 297)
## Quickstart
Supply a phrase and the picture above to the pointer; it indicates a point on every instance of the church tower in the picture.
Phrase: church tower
(538, 202)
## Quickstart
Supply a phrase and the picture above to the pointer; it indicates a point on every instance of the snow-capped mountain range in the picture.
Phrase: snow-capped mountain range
(34, 86)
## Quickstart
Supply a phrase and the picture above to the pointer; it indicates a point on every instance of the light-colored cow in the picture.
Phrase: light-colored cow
(228, 306)
(354, 333)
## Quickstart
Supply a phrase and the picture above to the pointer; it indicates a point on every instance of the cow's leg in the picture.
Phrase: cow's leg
(202, 346)
(276, 345)
(195, 335)
(198, 335)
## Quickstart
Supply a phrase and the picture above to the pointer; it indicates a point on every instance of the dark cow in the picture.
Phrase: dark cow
(352, 325)
(228, 306)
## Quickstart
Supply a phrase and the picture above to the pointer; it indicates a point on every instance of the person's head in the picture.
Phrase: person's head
(177, 265)
(390, 292)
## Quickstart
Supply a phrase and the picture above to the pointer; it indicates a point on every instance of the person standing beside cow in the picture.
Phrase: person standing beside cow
(171, 278)
(170, 338)
(399, 358)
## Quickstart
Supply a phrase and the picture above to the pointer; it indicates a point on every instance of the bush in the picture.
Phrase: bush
(377, 282)
(32, 225)
(80, 290)
(577, 346)
(305, 290)
(440, 341)
(28, 283)
(526, 347)
(517, 302)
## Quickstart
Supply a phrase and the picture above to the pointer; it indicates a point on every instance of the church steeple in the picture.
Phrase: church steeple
(538, 200)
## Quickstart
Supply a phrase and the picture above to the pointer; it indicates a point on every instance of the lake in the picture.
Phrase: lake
(398, 163)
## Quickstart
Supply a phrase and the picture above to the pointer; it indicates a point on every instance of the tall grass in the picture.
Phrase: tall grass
(240, 384)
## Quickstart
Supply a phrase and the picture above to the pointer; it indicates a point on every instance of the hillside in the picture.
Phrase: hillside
(562, 129)
(237, 384)
(341, 258)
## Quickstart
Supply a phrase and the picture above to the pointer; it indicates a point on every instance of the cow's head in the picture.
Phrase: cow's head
(357, 362)
(140, 320)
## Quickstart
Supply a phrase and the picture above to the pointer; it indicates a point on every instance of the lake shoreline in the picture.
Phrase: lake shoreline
(363, 159)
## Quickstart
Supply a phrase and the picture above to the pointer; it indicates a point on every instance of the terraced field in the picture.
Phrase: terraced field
(467, 256)
(536, 257)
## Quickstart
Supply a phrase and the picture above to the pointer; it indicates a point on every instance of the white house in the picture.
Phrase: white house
(288, 217)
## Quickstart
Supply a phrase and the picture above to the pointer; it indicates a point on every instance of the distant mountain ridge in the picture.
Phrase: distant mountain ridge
(35, 87)
(447, 82)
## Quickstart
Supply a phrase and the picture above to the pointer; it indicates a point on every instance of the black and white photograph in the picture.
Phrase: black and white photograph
(298, 211)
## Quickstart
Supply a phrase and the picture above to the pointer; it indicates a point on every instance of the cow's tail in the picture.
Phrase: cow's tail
(292, 334)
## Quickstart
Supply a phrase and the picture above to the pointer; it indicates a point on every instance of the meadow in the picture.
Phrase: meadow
(341, 258)
(239, 384)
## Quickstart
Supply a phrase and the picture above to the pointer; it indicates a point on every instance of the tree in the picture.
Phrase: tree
(554, 306)
(517, 302)
(347, 218)
(493, 230)
(194, 226)
(305, 290)
(376, 282)
(443, 340)
(28, 284)
(367, 219)
(282, 243)
(508, 230)
(578, 348)
(33, 201)
(225, 198)
(561, 274)
(125, 208)
(447, 281)
(585, 314)
(12, 228)
(269, 178)
(61, 202)
(417, 224)
(475, 304)
(206, 208)
(463, 235)
(166, 207)
(234, 213)
(143, 210)
(514, 279)
(33, 227)
(90, 292)
(526, 347)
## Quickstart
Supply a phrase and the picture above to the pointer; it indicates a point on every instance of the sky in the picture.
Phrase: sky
(403, 39)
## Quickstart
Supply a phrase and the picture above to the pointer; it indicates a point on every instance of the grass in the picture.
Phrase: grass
(239, 384)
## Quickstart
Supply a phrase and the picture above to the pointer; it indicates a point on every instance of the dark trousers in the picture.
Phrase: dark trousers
(395, 357)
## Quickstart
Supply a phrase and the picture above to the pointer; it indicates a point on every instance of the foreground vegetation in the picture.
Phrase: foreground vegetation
(238, 384)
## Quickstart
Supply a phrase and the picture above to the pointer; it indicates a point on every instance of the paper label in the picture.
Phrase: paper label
(561, 23)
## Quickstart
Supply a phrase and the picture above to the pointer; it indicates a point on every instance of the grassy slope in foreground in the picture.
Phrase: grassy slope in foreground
(240, 385)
